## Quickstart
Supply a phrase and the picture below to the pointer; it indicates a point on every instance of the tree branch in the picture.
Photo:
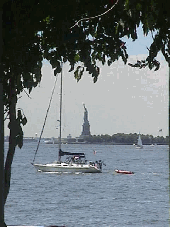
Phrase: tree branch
(26, 93)
(90, 18)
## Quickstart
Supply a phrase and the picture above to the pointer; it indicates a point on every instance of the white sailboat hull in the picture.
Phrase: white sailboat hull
(64, 167)
(139, 147)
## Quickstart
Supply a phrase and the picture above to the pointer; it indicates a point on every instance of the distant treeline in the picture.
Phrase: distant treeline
(121, 138)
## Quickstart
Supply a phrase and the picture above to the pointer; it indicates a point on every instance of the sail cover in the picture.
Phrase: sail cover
(62, 153)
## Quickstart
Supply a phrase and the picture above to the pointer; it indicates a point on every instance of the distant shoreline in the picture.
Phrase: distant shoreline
(158, 144)
(31, 139)
(119, 144)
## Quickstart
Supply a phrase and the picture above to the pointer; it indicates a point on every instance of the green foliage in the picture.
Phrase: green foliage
(129, 139)
(34, 33)
(78, 73)
(20, 120)
(76, 58)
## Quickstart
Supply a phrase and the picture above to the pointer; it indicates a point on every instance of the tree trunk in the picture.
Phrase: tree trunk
(2, 223)
(12, 140)
(1, 155)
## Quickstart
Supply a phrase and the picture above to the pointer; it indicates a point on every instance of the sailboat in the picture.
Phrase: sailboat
(139, 143)
(75, 162)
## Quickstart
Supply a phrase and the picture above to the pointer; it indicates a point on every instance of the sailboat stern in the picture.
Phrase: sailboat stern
(51, 167)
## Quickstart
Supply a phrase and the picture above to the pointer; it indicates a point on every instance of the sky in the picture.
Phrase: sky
(123, 100)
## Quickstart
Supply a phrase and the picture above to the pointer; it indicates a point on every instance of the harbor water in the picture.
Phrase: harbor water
(101, 199)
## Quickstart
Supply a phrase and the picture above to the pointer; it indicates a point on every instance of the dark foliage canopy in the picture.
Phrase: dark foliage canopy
(82, 32)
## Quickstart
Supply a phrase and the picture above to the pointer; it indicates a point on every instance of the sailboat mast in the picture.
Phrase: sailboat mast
(61, 90)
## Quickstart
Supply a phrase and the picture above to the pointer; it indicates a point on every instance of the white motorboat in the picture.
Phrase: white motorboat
(75, 162)
(51, 141)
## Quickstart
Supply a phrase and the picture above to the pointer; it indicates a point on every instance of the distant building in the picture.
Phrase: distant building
(70, 139)
(86, 125)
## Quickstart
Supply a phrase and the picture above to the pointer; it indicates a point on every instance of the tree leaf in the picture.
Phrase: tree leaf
(76, 58)
(19, 114)
(24, 121)
(78, 73)
(19, 136)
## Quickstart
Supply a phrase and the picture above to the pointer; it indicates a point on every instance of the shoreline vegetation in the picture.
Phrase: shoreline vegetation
(128, 139)
(116, 139)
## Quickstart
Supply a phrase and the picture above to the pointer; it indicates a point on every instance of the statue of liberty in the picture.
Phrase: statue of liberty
(86, 125)
(85, 114)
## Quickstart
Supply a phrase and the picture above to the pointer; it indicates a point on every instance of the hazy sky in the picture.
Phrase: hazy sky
(124, 99)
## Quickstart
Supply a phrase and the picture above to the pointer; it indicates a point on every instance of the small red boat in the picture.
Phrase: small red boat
(123, 171)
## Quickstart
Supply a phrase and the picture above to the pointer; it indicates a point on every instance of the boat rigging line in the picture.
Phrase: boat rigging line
(45, 118)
